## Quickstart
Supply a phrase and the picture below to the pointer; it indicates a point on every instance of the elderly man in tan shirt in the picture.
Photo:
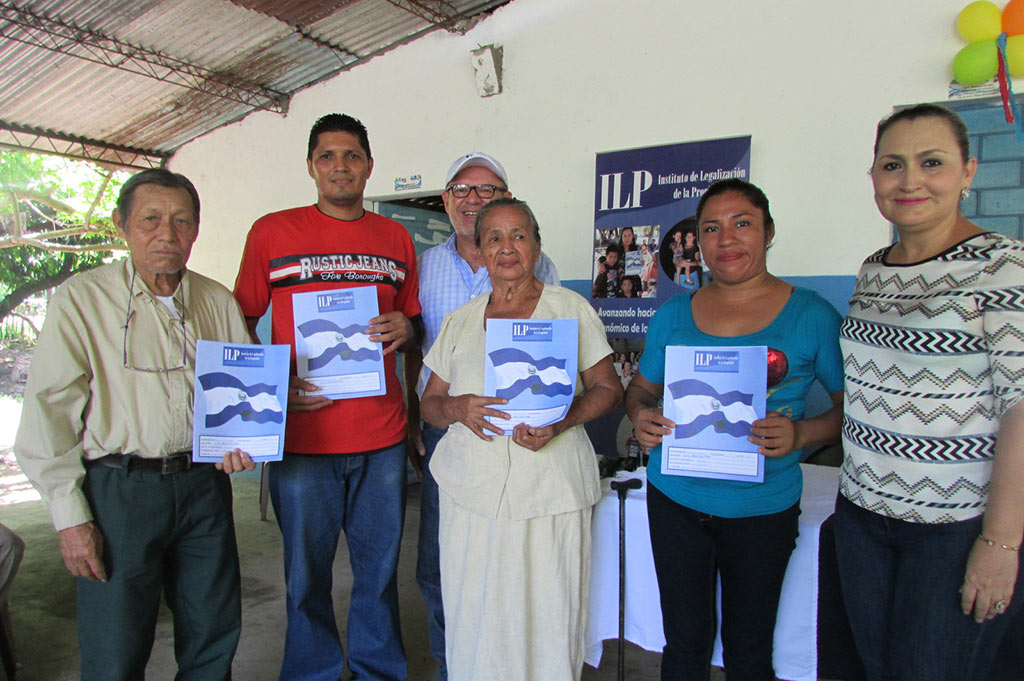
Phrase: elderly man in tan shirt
(106, 434)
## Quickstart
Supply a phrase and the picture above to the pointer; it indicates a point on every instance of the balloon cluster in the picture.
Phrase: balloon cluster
(984, 27)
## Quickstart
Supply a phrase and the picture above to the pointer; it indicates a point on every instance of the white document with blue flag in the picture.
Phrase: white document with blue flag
(713, 395)
(332, 348)
(241, 400)
(532, 363)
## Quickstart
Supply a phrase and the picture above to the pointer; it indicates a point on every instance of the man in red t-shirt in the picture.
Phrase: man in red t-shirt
(344, 462)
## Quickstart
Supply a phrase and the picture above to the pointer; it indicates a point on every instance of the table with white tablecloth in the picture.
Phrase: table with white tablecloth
(796, 655)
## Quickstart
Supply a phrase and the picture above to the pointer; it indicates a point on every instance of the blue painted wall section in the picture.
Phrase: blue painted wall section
(996, 202)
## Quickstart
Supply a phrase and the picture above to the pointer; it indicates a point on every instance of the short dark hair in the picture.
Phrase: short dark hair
(917, 111)
(750, 192)
(336, 122)
(501, 202)
(158, 176)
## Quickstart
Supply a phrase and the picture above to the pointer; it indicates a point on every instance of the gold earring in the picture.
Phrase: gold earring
(965, 193)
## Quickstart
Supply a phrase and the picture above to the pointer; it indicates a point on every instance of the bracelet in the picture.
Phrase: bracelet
(993, 543)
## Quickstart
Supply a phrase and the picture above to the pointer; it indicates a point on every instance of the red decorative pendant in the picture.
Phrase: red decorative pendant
(778, 366)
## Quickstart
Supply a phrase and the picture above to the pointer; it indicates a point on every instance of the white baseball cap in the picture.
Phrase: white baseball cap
(476, 158)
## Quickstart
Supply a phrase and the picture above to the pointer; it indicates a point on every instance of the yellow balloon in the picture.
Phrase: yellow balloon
(980, 20)
(976, 63)
(1015, 55)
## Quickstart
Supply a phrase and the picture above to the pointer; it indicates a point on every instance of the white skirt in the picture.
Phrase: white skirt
(515, 594)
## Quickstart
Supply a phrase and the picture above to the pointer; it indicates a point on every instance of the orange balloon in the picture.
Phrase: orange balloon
(1013, 17)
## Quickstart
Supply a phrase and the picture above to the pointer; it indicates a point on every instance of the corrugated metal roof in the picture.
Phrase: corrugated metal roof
(130, 81)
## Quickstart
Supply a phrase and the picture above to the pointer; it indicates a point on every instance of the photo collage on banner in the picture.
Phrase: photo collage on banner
(645, 246)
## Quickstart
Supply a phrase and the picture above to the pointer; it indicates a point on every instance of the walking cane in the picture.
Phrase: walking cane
(623, 487)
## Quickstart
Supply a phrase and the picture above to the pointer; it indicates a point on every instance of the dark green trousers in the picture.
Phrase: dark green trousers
(163, 534)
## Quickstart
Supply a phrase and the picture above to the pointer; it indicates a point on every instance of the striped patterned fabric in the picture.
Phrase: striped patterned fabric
(934, 355)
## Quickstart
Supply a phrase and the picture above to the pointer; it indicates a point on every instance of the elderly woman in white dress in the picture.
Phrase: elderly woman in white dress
(515, 510)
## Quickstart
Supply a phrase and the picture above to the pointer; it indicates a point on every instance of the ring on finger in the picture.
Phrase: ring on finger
(1000, 605)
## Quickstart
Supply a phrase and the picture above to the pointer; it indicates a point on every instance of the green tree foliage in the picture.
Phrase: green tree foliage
(54, 222)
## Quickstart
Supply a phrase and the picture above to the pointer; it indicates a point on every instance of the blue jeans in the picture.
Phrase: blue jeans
(315, 498)
(750, 555)
(428, 563)
(901, 584)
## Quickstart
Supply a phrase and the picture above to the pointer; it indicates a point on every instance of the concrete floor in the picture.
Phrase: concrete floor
(42, 600)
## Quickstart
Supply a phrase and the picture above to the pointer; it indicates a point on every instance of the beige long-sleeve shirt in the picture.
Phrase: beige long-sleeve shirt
(82, 402)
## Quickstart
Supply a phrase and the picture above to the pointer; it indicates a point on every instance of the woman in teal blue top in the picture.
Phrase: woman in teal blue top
(742, 532)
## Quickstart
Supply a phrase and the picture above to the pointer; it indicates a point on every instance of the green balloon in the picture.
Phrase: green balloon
(976, 63)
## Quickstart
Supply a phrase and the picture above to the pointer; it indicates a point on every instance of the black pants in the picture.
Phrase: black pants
(691, 550)
(171, 535)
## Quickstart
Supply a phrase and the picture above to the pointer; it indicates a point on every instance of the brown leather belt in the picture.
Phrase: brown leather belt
(179, 462)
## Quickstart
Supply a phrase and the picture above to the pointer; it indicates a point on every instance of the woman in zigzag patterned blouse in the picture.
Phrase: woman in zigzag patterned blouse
(931, 508)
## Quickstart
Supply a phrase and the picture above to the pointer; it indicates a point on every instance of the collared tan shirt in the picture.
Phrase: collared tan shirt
(82, 402)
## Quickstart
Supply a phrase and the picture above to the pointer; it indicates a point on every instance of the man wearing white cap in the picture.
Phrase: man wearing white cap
(450, 275)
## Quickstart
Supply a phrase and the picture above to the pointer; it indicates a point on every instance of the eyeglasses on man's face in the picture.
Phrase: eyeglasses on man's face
(484, 191)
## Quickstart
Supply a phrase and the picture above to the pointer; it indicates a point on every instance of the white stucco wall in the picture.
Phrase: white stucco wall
(807, 79)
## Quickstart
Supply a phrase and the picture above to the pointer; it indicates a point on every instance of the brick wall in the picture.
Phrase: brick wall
(996, 202)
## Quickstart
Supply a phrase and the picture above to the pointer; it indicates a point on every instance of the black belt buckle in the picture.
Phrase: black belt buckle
(176, 463)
